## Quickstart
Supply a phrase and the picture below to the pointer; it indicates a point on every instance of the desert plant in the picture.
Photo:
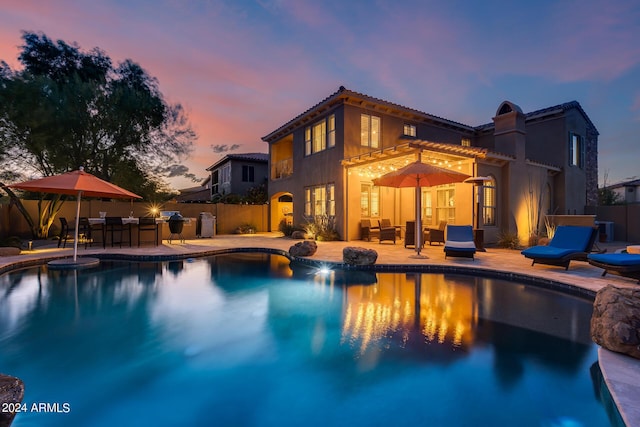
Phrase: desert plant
(322, 227)
(550, 227)
(11, 241)
(285, 228)
(508, 240)
(245, 228)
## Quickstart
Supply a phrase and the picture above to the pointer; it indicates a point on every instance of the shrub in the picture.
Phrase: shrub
(322, 227)
(245, 228)
(285, 228)
(11, 241)
(508, 240)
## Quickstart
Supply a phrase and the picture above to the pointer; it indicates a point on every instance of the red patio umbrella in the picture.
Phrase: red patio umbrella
(77, 183)
(418, 175)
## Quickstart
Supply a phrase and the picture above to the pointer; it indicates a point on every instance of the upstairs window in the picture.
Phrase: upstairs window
(465, 142)
(409, 130)
(247, 173)
(369, 131)
(576, 150)
(320, 135)
(225, 174)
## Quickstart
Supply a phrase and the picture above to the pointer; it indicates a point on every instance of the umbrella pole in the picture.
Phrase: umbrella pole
(75, 237)
(418, 220)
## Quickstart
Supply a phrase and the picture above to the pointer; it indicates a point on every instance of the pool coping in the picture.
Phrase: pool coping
(619, 371)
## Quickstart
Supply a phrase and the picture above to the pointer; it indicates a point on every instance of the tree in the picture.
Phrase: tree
(68, 108)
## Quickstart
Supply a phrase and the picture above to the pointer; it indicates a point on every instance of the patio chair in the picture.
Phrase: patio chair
(147, 224)
(64, 232)
(436, 234)
(388, 231)
(367, 231)
(569, 243)
(622, 264)
(459, 241)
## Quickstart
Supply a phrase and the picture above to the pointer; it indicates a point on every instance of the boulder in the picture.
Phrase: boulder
(306, 248)
(9, 251)
(298, 235)
(11, 391)
(615, 324)
(353, 255)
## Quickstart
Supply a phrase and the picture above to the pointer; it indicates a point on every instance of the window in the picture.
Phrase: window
(489, 202)
(427, 206)
(307, 141)
(369, 131)
(319, 200)
(465, 142)
(369, 201)
(317, 138)
(225, 174)
(214, 181)
(409, 130)
(331, 199)
(331, 136)
(446, 208)
(247, 173)
(576, 150)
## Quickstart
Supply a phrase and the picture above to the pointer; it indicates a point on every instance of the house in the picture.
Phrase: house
(237, 173)
(324, 160)
(199, 194)
(627, 192)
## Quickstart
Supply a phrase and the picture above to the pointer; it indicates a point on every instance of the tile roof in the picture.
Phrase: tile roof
(549, 111)
(343, 94)
(253, 157)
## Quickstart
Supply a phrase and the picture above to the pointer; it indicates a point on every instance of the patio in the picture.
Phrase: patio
(622, 373)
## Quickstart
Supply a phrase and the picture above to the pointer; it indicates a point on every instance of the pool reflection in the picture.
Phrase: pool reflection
(412, 307)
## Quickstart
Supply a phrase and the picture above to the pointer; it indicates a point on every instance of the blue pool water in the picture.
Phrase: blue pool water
(244, 340)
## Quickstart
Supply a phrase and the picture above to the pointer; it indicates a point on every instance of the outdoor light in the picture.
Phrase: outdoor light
(30, 245)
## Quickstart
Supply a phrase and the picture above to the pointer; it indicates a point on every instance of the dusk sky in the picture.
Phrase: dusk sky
(243, 68)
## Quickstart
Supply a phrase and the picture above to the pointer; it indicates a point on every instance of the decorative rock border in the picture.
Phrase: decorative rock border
(11, 391)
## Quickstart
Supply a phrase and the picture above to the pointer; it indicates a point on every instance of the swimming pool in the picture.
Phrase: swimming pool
(244, 340)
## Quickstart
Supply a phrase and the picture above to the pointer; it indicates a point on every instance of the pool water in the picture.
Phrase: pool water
(244, 340)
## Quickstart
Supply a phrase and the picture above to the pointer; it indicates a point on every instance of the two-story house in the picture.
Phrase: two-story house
(237, 173)
(324, 161)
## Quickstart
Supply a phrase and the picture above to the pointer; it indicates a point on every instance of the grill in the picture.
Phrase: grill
(176, 224)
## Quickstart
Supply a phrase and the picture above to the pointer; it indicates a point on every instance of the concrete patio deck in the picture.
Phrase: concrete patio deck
(621, 373)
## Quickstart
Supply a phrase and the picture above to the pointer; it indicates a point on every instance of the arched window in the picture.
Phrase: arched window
(489, 201)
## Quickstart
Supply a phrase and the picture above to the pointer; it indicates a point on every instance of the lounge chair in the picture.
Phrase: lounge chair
(569, 243)
(367, 231)
(623, 264)
(433, 234)
(459, 241)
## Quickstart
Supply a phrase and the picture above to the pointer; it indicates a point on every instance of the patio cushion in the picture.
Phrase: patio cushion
(461, 245)
(572, 237)
(547, 252)
(621, 260)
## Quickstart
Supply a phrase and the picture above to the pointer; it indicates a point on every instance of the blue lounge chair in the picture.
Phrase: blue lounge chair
(459, 241)
(569, 243)
(623, 264)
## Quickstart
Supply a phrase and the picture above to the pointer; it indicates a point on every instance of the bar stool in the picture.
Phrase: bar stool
(148, 224)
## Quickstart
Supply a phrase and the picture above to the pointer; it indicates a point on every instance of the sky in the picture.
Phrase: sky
(243, 68)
